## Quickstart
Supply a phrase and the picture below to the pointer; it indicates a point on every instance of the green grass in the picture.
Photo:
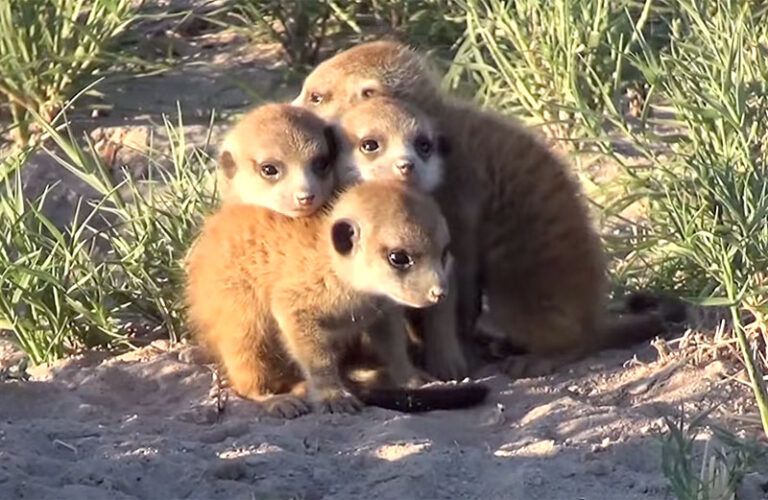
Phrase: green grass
(704, 230)
(548, 61)
(711, 473)
(47, 47)
(58, 293)
(304, 28)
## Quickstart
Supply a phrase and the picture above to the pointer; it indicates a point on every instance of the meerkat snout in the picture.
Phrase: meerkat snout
(437, 294)
(404, 167)
(304, 199)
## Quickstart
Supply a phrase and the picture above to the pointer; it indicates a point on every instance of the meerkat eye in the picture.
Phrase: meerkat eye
(315, 98)
(368, 93)
(369, 146)
(269, 171)
(399, 259)
(321, 165)
(423, 146)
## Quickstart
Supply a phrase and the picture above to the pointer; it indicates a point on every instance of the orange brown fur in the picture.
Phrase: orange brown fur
(279, 300)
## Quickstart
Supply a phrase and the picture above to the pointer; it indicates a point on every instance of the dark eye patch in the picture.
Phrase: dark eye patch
(270, 170)
(321, 165)
(423, 146)
(316, 98)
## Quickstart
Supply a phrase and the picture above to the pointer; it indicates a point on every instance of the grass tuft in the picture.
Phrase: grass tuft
(114, 275)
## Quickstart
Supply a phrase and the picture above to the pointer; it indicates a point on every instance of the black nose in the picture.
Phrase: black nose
(405, 167)
(436, 294)
(305, 199)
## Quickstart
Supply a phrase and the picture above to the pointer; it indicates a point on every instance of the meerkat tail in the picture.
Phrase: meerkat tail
(671, 308)
(642, 323)
(423, 399)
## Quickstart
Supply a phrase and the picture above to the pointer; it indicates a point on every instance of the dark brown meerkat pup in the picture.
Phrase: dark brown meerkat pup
(280, 300)
(517, 216)
(393, 141)
(280, 157)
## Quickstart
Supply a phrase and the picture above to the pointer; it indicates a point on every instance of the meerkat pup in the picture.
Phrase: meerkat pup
(384, 139)
(278, 299)
(520, 224)
(280, 157)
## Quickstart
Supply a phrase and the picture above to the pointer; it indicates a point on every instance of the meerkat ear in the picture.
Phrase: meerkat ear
(227, 164)
(332, 139)
(345, 234)
(443, 145)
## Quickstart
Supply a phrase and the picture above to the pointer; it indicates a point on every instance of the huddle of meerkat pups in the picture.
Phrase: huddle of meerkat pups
(277, 155)
(282, 292)
(521, 231)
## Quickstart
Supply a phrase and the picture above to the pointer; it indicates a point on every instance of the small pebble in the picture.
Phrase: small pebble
(231, 470)
(599, 468)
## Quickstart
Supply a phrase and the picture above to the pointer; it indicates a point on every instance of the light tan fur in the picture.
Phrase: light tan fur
(384, 139)
(407, 145)
(279, 157)
(281, 300)
(537, 256)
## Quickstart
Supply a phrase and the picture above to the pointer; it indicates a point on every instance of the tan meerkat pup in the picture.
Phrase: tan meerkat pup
(280, 157)
(537, 256)
(278, 299)
(389, 140)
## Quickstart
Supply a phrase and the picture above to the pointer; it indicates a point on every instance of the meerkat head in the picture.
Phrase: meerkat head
(367, 70)
(386, 139)
(392, 241)
(280, 157)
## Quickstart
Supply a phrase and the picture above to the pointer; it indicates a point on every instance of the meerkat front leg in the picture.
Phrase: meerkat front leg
(390, 341)
(442, 350)
(314, 350)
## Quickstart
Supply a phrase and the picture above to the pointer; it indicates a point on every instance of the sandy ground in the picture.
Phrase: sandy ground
(144, 425)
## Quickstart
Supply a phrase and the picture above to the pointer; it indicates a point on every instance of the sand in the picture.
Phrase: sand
(144, 425)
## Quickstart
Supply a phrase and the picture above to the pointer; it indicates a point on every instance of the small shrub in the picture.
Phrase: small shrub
(705, 230)
(303, 28)
(713, 473)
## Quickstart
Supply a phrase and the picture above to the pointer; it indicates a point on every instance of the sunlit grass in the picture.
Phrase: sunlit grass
(59, 294)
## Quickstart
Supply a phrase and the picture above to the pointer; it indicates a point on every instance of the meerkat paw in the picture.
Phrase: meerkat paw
(337, 401)
(528, 366)
(446, 364)
(286, 406)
